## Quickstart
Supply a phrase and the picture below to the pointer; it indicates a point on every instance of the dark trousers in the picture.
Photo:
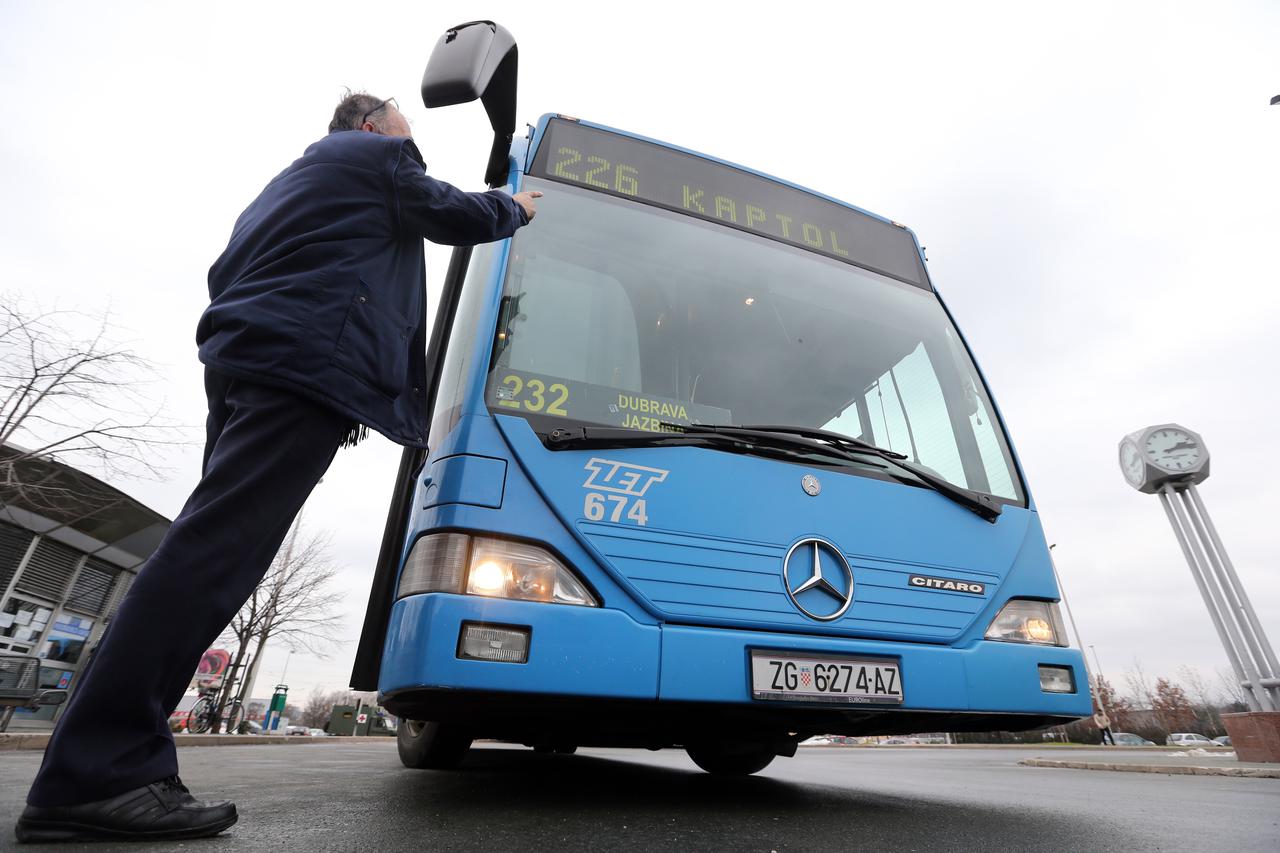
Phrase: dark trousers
(266, 449)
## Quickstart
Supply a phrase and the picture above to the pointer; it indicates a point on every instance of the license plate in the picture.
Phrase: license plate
(813, 678)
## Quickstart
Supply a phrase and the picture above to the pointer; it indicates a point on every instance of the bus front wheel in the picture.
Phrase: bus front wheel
(730, 759)
(431, 746)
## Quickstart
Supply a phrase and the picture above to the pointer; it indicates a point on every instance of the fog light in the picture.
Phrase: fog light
(1057, 679)
(491, 642)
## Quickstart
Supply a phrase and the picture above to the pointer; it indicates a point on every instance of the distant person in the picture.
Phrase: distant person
(1103, 722)
(316, 330)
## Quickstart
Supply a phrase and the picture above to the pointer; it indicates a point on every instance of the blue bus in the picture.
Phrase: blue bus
(711, 467)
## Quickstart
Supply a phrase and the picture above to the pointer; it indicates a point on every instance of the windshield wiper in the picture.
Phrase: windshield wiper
(982, 504)
(786, 441)
(827, 435)
(776, 444)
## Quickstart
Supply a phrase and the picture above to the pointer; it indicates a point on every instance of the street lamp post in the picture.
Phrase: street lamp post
(1062, 590)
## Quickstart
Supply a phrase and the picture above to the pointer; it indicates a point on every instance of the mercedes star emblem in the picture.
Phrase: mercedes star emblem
(807, 567)
(810, 484)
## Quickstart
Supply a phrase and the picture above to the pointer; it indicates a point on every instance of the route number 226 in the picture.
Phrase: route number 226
(617, 507)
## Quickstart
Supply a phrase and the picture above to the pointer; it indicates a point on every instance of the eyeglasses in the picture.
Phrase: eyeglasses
(388, 102)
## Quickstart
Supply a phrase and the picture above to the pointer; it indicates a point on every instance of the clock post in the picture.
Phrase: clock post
(1170, 460)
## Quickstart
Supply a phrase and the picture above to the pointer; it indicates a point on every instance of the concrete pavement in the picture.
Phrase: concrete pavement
(356, 795)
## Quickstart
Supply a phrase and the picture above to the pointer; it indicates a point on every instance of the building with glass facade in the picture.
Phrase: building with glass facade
(70, 546)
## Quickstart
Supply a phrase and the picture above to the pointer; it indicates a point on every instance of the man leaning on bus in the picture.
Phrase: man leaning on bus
(314, 333)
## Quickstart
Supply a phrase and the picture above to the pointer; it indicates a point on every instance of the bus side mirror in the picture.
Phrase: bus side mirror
(477, 60)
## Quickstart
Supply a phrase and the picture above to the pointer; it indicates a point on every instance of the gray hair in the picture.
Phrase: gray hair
(352, 109)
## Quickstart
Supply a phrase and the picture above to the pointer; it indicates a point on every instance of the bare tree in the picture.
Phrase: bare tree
(319, 706)
(317, 710)
(293, 603)
(1140, 690)
(1206, 709)
(72, 397)
(1233, 695)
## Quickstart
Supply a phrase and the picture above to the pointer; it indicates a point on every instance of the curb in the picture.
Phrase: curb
(11, 742)
(1173, 769)
(1049, 746)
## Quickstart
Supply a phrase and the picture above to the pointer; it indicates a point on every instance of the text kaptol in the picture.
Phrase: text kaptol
(757, 218)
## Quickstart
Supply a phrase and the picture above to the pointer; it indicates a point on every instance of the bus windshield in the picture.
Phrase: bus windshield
(621, 313)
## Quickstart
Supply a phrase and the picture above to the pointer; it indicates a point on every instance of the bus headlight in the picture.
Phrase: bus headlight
(497, 568)
(506, 569)
(1025, 621)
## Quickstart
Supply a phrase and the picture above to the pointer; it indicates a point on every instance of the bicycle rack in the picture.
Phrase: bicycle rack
(20, 687)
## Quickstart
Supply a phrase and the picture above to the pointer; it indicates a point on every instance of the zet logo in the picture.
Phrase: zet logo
(615, 491)
(622, 478)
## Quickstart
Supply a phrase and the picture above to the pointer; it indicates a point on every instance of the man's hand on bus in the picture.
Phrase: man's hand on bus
(526, 201)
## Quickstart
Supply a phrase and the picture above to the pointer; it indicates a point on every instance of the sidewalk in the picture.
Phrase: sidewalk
(1193, 762)
(14, 741)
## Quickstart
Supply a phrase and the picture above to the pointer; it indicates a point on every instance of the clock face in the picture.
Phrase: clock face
(1132, 463)
(1173, 449)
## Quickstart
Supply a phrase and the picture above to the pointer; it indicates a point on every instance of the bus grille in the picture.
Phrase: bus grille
(702, 579)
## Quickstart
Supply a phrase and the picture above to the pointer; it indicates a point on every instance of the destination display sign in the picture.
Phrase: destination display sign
(520, 393)
(676, 180)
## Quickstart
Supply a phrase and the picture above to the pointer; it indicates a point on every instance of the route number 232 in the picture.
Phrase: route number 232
(534, 397)
(617, 507)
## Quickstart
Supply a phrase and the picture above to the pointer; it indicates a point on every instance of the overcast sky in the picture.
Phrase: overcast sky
(1096, 185)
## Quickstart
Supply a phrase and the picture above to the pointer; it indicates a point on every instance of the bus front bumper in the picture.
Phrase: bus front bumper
(595, 656)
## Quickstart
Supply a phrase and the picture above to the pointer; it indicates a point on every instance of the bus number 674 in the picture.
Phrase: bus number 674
(617, 507)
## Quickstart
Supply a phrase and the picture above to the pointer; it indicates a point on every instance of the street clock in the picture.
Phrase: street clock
(1169, 461)
(1153, 457)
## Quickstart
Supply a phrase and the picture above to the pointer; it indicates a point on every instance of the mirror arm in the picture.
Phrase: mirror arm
(499, 101)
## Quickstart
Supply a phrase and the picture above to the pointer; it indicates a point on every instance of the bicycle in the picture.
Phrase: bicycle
(200, 717)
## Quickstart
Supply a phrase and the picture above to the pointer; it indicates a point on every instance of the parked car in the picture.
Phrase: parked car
(1130, 739)
(1223, 740)
(1188, 739)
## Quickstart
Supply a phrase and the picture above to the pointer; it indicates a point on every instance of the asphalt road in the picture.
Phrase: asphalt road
(356, 796)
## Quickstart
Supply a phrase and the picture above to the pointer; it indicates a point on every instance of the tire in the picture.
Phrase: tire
(431, 746)
(722, 759)
(198, 719)
(234, 717)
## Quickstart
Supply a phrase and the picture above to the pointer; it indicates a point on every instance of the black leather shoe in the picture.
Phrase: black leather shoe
(163, 809)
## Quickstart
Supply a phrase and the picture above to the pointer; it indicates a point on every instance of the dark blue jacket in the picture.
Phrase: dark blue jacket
(321, 289)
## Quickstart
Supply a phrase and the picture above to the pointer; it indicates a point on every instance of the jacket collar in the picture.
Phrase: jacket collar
(408, 144)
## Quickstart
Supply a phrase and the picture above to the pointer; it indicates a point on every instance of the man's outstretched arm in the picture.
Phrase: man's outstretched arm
(445, 214)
